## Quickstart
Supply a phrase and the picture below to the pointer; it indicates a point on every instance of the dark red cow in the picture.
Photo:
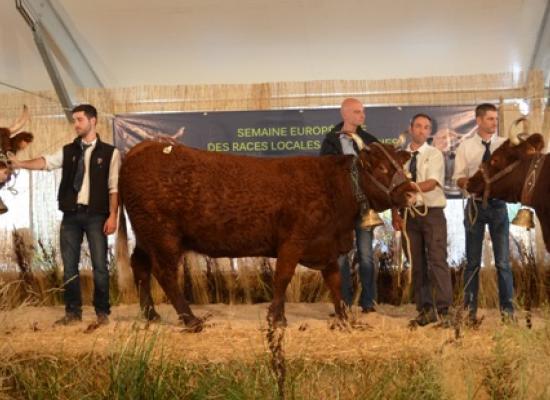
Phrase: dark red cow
(298, 209)
(12, 141)
(518, 173)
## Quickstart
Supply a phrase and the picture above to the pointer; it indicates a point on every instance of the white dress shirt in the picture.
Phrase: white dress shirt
(430, 164)
(347, 145)
(55, 161)
(470, 153)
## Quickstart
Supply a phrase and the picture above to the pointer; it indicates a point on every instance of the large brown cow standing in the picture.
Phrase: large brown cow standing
(298, 209)
(12, 141)
(508, 174)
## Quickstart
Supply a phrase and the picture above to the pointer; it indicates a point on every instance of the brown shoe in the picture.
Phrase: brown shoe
(102, 319)
(69, 319)
(369, 309)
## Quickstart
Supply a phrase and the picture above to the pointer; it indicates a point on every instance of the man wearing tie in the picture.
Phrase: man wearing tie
(469, 155)
(88, 197)
(427, 229)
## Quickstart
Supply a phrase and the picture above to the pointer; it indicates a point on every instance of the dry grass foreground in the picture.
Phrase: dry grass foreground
(495, 361)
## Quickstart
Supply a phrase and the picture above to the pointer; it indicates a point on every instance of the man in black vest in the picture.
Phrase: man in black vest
(88, 197)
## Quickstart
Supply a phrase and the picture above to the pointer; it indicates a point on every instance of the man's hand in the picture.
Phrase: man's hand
(462, 183)
(12, 160)
(396, 220)
(110, 225)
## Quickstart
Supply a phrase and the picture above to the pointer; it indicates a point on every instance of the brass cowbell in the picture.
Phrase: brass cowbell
(524, 218)
(370, 220)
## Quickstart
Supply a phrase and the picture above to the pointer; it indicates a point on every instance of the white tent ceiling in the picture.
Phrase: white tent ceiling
(137, 42)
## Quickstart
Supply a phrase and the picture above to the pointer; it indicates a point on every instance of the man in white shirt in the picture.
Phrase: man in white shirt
(427, 230)
(88, 197)
(469, 156)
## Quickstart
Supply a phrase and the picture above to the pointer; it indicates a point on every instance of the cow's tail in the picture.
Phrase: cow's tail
(124, 272)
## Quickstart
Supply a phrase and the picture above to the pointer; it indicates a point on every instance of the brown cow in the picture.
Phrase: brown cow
(518, 173)
(12, 141)
(298, 209)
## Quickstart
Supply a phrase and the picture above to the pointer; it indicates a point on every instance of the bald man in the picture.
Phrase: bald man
(339, 141)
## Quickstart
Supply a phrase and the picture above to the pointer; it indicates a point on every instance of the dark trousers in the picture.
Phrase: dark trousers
(496, 217)
(430, 271)
(73, 227)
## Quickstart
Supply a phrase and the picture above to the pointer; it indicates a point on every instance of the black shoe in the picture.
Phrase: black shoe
(424, 318)
(69, 319)
(369, 309)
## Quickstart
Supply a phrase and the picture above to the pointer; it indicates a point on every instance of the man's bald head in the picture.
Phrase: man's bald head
(352, 113)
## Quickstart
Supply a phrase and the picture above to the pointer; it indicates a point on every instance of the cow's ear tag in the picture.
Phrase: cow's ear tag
(167, 150)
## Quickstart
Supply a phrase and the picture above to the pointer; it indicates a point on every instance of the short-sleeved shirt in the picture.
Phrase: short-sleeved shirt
(430, 164)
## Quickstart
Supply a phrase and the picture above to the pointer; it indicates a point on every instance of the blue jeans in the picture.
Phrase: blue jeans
(363, 240)
(496, 216)
(73, 227)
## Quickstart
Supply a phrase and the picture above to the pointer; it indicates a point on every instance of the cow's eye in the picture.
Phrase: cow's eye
(493, 161)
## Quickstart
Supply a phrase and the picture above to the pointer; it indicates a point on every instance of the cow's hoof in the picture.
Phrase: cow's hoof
(340, 324)
(280, 323)
(194, 326)
(276, 323)
(151, 315)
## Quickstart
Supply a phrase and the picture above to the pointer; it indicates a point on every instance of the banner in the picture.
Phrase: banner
(289, 132)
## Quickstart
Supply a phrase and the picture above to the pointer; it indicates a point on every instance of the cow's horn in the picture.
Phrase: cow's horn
(18, 124)
(401, 140)
(515, 137)
(358, 141)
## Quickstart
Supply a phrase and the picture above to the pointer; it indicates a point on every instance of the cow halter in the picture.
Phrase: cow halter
(11, 172)
(399, 177)
(531, 180)
(488, 180)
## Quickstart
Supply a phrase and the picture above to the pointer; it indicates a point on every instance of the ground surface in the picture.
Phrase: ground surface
(238, 332)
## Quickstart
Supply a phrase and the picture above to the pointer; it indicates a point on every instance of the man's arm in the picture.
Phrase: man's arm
(111, 223)
(34, 164)
(459, 175)
(427, 185)
(435, 172)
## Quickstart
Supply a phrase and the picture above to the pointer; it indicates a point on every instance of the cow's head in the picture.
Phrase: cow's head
(384, 180)
(12, 140)
(503, 175)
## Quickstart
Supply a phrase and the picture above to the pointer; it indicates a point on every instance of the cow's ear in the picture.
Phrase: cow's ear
(403, 156)
(536, 141)
(531, 145)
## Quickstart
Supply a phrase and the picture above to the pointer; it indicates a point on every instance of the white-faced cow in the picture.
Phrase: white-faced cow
(12, 140)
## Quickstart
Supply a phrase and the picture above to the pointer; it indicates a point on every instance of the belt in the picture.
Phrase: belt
(421, 209)
(493, 202)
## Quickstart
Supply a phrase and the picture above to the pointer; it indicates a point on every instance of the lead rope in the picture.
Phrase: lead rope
(405, 219)
(472, 210)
